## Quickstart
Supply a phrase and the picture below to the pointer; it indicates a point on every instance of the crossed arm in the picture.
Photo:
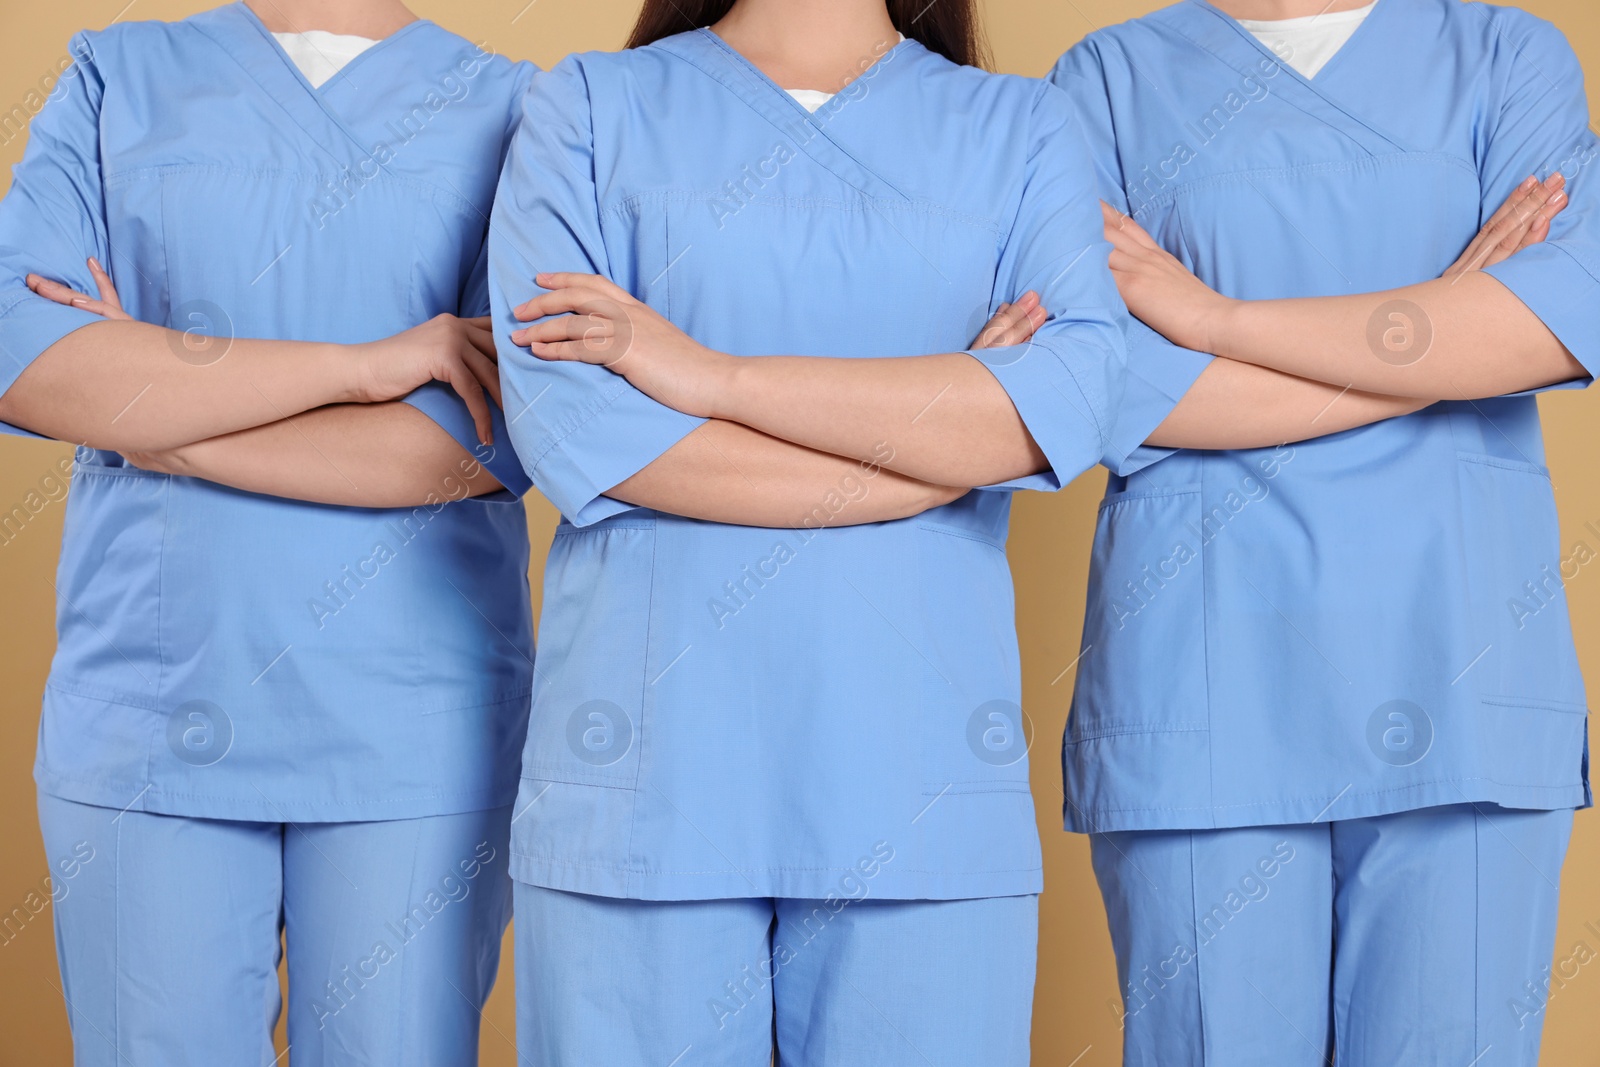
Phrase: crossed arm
(316, 422)
(274, 423)
(1461, 336)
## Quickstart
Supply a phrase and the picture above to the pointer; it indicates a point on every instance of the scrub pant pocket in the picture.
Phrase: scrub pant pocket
(168, 927)
(1415, 938)
(635, 983)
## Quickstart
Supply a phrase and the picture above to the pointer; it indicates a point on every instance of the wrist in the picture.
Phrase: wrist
(1221, 326)
(348, 371)
(726, 377)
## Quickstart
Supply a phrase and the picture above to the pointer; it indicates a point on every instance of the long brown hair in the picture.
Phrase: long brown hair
(948, 27)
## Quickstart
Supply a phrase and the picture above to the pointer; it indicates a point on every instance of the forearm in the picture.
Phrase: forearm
(1453, 339)
(386, 455)
(1239, 405)
(724, 472)
(947, 419)
(130, 386)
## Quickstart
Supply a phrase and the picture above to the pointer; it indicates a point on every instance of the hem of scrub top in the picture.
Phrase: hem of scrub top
(604, 880)
(1089, 819)
(152, 799)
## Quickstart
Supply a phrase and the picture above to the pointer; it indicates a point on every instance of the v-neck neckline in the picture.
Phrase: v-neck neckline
(341, 74)
(1319, 82)
(737, 59)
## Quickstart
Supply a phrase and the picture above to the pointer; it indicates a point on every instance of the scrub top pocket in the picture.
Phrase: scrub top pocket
(1516, 575)
(588, 722)
(1146, 591)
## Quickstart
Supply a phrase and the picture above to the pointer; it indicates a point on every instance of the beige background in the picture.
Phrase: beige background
(1074, 1021)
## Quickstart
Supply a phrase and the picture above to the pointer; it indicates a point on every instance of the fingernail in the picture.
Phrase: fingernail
(95, 263)
(1531, 181)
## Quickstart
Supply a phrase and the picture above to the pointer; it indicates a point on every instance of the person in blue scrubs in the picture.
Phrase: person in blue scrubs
(270, 721)
(775, 787)
(1329, 730)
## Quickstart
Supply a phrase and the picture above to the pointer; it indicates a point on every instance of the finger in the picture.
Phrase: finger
(486, 370)
(595, 329)
(1129, 230)
(999, 332)
(102, 282)
(1539, 207)
(469, 387)
(567, 301)
(53, 290)
(1030, 316)
(573, 352)
(1555, 205)
(1536, 233)
(1012, 324)
(566, 280)
(481, 322)
(1518, 195)
(1030, 325)
(483, 341)
(1124, 262)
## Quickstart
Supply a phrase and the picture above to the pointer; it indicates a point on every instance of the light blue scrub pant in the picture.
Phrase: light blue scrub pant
(713, 983)
(1423, 938)
(168, 936)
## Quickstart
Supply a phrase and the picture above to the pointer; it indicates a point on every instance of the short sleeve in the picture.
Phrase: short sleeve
(579, 429)
(1542, 126)
(52, 219)
(1159, 372)
(1066, 382)
(441, 404)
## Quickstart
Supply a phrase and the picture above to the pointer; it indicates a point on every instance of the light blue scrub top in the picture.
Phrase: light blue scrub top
(239, 656)
(731, 711)
(1372, 621)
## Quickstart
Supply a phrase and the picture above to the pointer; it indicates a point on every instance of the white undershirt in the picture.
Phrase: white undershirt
(320, 54)
(1306, 44)
(811, 99)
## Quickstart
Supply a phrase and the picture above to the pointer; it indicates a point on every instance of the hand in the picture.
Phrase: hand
(108, 306)
(1523, 220)
(1013, 324)
(589, 319)
(459, 352)
(1158, 289)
